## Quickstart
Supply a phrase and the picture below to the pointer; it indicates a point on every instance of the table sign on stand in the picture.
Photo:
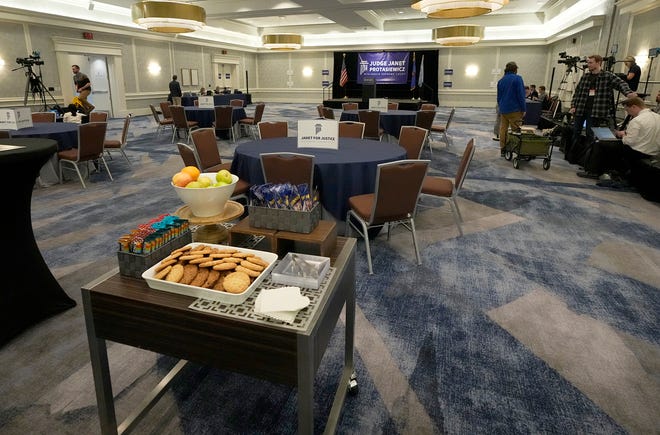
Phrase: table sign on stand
(318, 133)
(379, 104)
(206, 102)
(15, 119)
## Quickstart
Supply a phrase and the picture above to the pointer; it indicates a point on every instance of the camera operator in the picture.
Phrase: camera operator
(593, 103)
(83, 87)
(633, 74)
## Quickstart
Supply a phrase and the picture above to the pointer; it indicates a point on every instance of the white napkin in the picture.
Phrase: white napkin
(280, 303)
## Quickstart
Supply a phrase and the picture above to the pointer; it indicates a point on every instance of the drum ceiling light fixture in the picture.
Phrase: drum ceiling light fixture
(168, 16)
(457, 9)
(282, 41)
(457, 36)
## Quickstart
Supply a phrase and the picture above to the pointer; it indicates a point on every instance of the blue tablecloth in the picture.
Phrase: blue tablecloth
(65, 133)
(338, 174)
(218, 99)
(390, 121)
(205, 117)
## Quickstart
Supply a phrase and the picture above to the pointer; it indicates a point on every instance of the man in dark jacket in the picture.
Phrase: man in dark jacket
(175, 91)
(511, 102)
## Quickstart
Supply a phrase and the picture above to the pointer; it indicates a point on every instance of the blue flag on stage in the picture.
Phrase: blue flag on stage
(421, 72)
(413, 79)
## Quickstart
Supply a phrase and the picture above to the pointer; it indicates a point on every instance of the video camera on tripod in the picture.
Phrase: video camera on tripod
(569, 61)
(32, 59)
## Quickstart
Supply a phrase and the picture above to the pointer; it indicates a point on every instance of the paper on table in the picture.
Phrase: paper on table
(280, 303)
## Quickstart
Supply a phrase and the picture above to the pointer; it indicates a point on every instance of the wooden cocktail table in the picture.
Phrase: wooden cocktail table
(125, 310)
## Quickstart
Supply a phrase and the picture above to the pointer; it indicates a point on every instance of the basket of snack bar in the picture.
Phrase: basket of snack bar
(285, 207)
(149, 243)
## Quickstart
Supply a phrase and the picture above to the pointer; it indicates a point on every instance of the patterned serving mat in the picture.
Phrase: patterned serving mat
(245, 311)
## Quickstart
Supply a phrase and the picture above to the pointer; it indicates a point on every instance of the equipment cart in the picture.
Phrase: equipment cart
(528, 146)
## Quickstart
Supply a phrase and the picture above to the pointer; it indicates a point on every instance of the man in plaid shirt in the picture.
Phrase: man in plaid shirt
(593, 100)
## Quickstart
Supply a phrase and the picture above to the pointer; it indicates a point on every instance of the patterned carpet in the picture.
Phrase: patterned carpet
(542, 318)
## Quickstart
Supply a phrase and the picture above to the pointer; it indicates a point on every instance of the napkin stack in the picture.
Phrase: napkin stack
(280, 303)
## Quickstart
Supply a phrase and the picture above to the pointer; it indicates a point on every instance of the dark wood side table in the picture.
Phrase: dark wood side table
(126, 310)
(30, 292)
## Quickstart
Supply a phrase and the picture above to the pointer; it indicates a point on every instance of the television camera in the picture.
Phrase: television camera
(34, 84)
(569, 61)
(32, 59)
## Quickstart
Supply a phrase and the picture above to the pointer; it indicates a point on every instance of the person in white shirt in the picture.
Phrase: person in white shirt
(643, 132)
(72, 115)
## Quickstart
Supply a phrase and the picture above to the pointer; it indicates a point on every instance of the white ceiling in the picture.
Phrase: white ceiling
(334, 23)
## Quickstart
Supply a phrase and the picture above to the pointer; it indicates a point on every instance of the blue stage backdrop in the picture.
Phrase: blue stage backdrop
(392, 71)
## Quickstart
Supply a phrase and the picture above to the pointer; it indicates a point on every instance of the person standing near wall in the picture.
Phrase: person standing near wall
(83, 87)
(633, 74)
(175, 91)
(511, 102)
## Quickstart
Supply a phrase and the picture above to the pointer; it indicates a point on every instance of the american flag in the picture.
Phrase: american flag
(343, 79)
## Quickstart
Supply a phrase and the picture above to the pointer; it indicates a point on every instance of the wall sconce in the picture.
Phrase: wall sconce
(307, 71)
(471, 70)
(153, 68)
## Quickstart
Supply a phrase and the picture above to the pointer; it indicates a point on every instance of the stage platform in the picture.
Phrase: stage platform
(336, 103)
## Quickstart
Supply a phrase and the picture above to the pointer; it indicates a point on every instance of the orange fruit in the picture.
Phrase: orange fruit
(192, 170)
(180, 179)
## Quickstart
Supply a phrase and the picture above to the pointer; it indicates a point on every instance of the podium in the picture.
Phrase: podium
(368, 89)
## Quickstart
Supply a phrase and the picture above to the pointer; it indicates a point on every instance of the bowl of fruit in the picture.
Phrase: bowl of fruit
(205, 193)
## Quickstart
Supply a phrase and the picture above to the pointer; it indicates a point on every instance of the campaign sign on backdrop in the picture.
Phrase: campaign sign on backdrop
(206, 102)
(384, 67)
(379, 104)
(318, 133)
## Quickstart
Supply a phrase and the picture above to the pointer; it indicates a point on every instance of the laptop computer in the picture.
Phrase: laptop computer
(603, 133)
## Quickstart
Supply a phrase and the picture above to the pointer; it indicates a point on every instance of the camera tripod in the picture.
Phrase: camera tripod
(566, 87)
(35, 85)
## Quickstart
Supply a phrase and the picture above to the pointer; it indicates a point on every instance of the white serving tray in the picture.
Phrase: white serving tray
(214, 295)
(282, 273)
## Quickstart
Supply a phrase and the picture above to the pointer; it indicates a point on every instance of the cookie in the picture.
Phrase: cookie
(210, 263)
(232, 260)
(183, 249)
(200, 278)
(211, 279)
(173, 256)
(249, 272)
(219, 284)
(175, 274)
(236, 282)
(191, 256)
(200, 260)
(242, 254)
(258, 260)
(163, 264)
(189, 273)
(219, 255)
(163, 273)
(250, 265)
(224, 266)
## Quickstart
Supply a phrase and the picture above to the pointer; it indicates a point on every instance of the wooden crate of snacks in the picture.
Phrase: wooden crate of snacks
(285, 220)
(146, 245)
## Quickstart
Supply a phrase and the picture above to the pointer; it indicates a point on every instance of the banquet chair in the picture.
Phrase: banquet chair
(224, 120)
(237, 102)
(5, 134)
(273, 129)
(448, 189)
(98, 117)
(181, 122)
(196, 103)
(427, 106)
(282, 167)
(392, 106)
(90, 148)
(424, 119)
(351, 129)
(412, 139)
(119, 145)
(349, 106)
(165, 109)
(443, 128)
(165, 122)
(187, 154)
(371, 119)
(319, 109)
(397, 191)
(251, 122)
(43, 117)
(328, 113)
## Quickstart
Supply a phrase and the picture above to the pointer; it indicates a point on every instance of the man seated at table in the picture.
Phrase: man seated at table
(641, 138)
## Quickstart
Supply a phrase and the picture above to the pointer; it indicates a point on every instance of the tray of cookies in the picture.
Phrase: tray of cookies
(227, 274)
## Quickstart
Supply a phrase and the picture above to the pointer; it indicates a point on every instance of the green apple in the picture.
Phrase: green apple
(194, 185)
(205, 181)
(219, 184)
(223, 176)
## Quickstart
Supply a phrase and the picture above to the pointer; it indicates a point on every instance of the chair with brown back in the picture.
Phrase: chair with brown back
(448, 189)
(349, 106)
(371, 120)
(424, 119)
(119, 145)
(427, 106)
(98, 117)
(187, 154)
(236, 102)
(273, 129)
(392, 106)
(291, 168)
(165, 109)
(224, 120)
(351, 129)
(319, 109)
(181, 122)
(251, 122)
(443, 128)
(90, 148)
(43, 117)
(397, 191)
(5, 134)
(209, 160)
(412, 139)
(160, 122)
(328, 113)
(196, 103)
